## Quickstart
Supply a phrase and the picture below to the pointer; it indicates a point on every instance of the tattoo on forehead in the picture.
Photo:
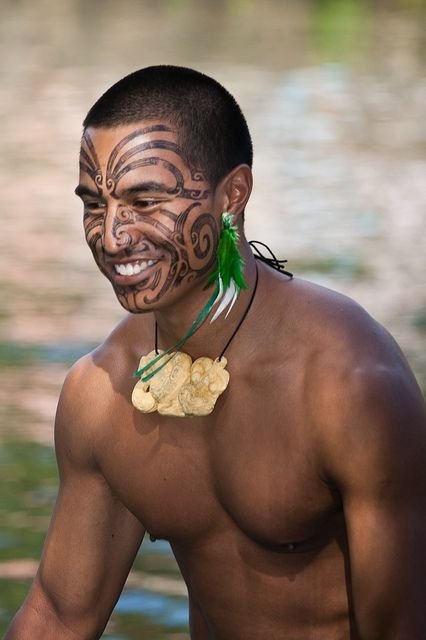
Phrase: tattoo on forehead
(125, 158)
(186, 239)
(89, 162)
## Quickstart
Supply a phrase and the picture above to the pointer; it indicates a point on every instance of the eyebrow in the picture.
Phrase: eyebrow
(140, 187)
(157, 187)
(81, 190)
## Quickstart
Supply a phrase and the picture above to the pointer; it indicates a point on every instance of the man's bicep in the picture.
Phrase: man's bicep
(387, 568)
(89, 549)
(377, 459)
(92, 538)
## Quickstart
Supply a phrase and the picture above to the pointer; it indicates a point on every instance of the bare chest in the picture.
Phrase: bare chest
(247, 466)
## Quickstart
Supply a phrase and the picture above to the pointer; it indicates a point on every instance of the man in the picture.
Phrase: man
(295, 505)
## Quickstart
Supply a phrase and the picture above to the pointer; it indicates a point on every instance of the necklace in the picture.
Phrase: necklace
(182, 387)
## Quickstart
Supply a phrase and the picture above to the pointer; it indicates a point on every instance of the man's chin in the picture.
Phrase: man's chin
(129, 302)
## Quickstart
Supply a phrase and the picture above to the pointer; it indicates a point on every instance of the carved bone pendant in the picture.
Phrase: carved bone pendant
(182, 387)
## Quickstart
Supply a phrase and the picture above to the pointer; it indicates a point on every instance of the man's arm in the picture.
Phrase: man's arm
(92, 539)
(374, 451)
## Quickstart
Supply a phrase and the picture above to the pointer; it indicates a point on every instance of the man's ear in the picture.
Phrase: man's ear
(235, 189)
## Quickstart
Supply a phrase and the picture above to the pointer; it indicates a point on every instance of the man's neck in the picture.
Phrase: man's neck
(209, 340)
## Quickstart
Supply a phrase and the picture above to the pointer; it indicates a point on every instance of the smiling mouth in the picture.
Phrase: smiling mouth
(133, 268)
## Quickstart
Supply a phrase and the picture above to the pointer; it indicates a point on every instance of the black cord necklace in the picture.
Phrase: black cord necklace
(271, 260)
(234, 333)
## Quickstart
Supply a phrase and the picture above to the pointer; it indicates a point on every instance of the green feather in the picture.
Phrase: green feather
(230, 264)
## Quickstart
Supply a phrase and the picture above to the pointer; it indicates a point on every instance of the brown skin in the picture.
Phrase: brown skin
(295, 510)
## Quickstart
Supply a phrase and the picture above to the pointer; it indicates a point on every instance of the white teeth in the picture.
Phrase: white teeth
(133, 268)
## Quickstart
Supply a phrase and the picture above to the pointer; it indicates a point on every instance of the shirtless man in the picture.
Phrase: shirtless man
(296, 509)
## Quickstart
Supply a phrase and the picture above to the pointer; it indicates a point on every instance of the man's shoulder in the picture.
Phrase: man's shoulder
(344, 337)
(115, 358)
(358, 384)
(85, 401)
(329, 323)
(322, 333)
(94, 388)
(348, 339)
(347, 353)
(93, 372)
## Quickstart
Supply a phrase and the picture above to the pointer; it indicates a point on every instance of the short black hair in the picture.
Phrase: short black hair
(212, 132)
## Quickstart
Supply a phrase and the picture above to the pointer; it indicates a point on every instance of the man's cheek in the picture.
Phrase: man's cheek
(199, 239)
(94, 241)
(93, 232)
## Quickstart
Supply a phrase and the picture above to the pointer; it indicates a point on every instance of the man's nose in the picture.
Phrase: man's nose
(116, 233)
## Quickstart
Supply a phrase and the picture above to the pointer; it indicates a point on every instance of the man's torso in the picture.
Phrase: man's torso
(255, 526)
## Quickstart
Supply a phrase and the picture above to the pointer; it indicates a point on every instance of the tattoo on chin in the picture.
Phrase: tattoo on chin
(182, 241)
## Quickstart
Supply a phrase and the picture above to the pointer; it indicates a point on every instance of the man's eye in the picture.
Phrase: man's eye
(144, 203)
(94, 206)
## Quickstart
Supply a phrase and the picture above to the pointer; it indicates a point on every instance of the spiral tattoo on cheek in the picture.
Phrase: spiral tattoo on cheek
(184, 238)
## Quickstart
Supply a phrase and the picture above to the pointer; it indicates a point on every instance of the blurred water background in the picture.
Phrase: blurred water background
(334, 92)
